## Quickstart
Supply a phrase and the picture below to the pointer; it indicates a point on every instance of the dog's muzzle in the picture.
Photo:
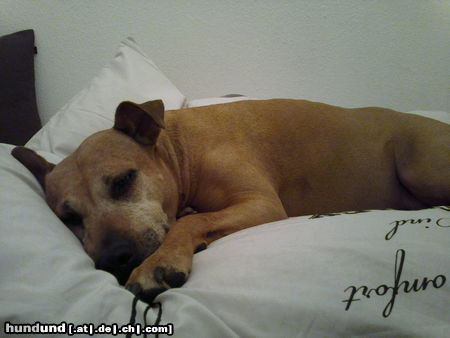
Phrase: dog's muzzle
(118, 258)
(120, 255)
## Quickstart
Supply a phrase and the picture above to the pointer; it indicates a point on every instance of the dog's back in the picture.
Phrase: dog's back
(315, 154)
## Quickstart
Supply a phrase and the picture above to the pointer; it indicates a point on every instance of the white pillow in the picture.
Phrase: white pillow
(294, 278)
(130, 75)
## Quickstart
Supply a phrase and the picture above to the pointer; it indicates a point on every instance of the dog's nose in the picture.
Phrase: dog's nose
(117, 259)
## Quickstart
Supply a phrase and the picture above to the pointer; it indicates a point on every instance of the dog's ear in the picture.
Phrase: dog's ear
(38, 165)
(142, 122)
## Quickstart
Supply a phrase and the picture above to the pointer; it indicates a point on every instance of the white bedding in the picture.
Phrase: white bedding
(292, 278)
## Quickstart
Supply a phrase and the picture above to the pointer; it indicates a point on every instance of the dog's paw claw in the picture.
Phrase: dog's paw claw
(158, 273)
(149, 295)
(173, 278)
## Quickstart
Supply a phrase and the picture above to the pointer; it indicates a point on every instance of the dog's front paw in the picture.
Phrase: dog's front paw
(155, 276)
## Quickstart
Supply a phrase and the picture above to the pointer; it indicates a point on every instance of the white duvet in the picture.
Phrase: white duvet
(377, 273)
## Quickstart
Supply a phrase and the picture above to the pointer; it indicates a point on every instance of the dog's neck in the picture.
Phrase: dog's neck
(171, 146)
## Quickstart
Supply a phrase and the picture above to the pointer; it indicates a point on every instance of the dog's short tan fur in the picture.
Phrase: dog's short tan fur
(238, 164)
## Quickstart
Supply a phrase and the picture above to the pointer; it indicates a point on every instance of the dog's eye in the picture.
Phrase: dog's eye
(72, 219)
(69, 216)
(121, 184)
(75, 224)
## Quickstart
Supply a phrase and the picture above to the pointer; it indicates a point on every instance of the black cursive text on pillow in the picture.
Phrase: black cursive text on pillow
(399, 285)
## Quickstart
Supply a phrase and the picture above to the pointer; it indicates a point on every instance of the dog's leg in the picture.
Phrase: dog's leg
(170, 265)
(423, 161)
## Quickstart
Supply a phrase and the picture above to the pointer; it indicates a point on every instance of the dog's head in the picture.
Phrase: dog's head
(116, 192)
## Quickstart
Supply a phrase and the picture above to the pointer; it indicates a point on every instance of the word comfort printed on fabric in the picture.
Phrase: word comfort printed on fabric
(356, 293)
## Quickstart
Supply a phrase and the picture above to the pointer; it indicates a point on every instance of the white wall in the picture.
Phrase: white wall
(351, 53)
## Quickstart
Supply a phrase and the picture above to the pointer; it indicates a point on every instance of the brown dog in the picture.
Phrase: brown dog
(239, 164)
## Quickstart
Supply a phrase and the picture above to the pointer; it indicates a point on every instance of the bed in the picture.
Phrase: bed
(379, 273)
